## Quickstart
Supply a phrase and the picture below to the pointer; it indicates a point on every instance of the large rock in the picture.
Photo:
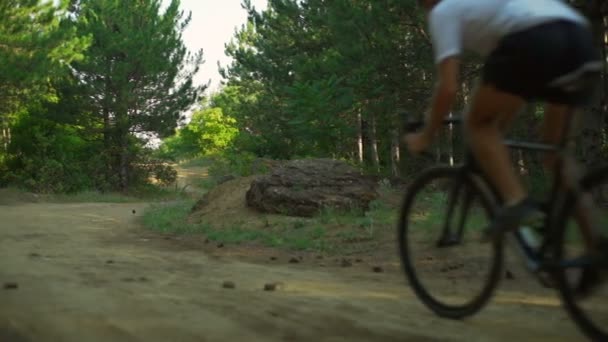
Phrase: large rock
(305, 187)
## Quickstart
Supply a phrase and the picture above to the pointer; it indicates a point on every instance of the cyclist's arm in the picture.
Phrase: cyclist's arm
(445, 94)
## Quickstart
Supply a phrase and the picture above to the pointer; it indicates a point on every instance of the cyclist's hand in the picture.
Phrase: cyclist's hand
(418, 142)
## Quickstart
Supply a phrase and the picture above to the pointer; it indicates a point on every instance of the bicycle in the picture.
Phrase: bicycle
(557, 258)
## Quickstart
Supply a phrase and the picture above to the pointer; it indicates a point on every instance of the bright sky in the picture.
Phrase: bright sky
(212, 25)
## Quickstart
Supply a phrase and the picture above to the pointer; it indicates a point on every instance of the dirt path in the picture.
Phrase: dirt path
(89, 272)
(188, 178)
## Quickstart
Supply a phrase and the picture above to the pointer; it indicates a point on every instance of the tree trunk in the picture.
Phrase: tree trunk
(124, 161)
(108, 150)
(395, 153)
(373, 141)
(359, 137)
(5, 139)
(122, 140)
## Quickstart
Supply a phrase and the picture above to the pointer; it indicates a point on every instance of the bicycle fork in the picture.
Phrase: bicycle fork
(449, 236)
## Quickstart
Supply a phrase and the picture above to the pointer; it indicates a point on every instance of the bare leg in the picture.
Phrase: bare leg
(484, 118)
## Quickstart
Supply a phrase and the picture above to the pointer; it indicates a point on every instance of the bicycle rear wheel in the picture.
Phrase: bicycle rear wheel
(588, 310)
(442, 220)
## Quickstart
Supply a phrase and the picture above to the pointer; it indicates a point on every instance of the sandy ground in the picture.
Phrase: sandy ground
(90, 272)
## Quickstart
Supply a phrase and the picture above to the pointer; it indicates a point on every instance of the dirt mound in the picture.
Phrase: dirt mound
(225, 204)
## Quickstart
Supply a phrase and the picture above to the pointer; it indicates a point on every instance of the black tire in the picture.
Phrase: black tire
(590, 313)
(407, 234)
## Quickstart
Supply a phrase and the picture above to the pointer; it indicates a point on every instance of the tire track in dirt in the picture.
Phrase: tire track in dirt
(89, 272)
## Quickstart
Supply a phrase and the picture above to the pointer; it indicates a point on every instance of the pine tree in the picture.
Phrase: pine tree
(137, 74)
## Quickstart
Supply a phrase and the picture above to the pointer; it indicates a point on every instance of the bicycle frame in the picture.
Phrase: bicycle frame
(471, 167)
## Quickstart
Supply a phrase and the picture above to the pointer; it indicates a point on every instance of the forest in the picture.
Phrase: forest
(89, 87)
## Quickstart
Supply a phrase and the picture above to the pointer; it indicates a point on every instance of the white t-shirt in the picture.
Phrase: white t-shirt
(478, 25)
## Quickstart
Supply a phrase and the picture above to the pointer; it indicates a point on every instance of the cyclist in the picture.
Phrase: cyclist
(533, 50)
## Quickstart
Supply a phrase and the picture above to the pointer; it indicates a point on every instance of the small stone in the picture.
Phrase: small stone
(220, 245)
(273, 258)
(377, 269)
(133, 211)
(11, 286)
(274, 286)
(228, 285)
(294, 261)
(346, 263)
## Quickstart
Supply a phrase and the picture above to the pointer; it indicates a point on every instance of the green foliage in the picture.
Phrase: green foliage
(85, 83)
(182, 145)
(141, 72)
(215, 131)
(209, 132)
(309, 76)
(37, 45)
(47, 157)
(237, 164)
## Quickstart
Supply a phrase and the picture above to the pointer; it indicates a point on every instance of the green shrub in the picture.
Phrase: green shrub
(236, 164)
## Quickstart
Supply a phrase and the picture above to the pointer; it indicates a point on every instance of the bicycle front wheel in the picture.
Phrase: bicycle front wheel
(582, 278)
(447, 263)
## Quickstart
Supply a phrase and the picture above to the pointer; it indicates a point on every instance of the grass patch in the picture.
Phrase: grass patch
(144, 194)
(205, 184)
(91, 197)
(141, 194)
(428, 213)
(172, 218)
(325, 233)
(197, 162)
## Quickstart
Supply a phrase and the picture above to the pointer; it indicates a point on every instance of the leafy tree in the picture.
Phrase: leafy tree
(215, 130)
(36, 47)
(210, 132)
(329, 77)
(137, 75)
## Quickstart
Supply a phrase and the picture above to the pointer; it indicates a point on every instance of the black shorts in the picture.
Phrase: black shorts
(555, 62)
